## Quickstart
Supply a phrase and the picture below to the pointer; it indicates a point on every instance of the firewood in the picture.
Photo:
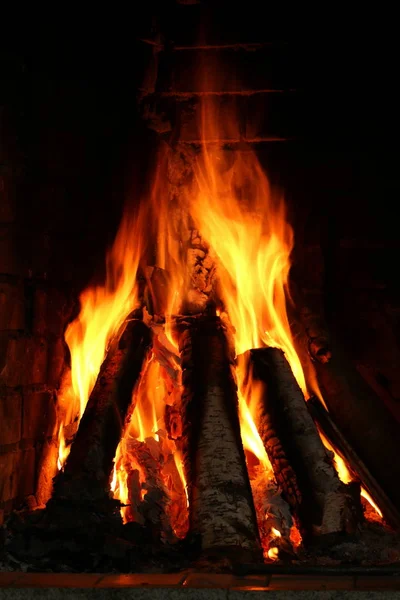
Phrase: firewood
(89, 465)
(220, 500)
(325, 505)
(355, 464)
(356, 409)
(364, 421)
(266, 420)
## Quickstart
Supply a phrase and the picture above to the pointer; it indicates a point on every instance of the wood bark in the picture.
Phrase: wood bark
(89, 465)
(220, 500)
(325, 505)
(355, 464)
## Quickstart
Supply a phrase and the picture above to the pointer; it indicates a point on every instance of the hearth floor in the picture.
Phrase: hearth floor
(193, 580)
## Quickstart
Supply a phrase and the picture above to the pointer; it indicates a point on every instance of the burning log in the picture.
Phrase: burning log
(363, 419)
(89, 465)
(220, 500)
(323, 505)
(357, 411)
(358, 468)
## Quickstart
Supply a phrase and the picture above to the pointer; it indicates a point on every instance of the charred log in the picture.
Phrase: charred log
(324, 505)
(357, 411)
(89, 465)
(357, 467)
(363, 419)
(220, 500)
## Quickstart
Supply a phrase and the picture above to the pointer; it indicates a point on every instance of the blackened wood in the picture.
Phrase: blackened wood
(327, 505)
(90, 462)
(220, 500)
(356, 465)
(363, 419)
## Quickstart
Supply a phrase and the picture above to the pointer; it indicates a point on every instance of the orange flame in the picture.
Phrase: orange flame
(147, 422)
(103, 310)
(245, 225)
(345, 475)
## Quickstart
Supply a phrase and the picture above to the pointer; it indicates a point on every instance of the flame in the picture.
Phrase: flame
(245, 224)
(248, 395)
(103, 310)
(180, 468)
(150, 405)
(63, 451)
(345, 475)
(273, 553)
(147, 423)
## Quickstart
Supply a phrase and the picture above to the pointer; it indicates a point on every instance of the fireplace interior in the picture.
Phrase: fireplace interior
(199, 305)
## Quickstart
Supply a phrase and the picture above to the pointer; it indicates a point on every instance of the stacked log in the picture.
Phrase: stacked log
(321, 503)
(221, 509)
(357, 411)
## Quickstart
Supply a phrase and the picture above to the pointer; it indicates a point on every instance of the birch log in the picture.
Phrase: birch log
(327, 506)
(220, 500)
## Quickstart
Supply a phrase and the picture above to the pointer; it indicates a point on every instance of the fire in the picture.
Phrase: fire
(149, 409)
(251, 439)
(103, 310)
(345, 475)
(62, 448)
(245, 224)
(147, 426)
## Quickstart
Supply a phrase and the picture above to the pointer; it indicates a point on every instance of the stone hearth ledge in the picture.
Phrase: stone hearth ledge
(196, 586)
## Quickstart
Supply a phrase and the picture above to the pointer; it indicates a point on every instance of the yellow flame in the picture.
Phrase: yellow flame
(344, 473)
(273, 553)
(103, 310)
(179, 466)
(245, 224)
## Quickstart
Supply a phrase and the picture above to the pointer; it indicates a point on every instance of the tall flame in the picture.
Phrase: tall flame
(245, 224)
(103, 310)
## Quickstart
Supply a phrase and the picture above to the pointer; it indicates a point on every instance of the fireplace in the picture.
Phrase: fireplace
(223, 392)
